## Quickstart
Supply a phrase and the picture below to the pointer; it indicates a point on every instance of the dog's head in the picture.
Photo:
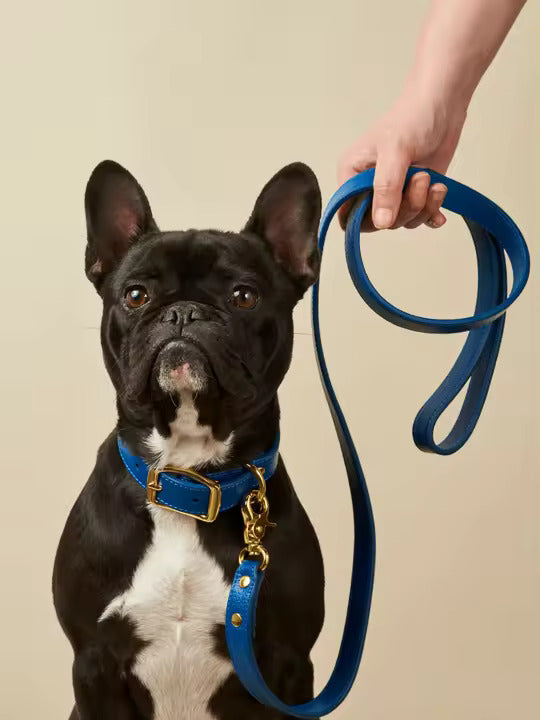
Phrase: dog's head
(199, 316)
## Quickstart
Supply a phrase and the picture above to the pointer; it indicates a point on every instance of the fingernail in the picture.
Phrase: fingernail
(382, 218)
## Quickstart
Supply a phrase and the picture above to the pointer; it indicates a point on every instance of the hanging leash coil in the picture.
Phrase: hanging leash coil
(494, 234)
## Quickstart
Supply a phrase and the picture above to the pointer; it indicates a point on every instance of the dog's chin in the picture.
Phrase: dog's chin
(181, 367)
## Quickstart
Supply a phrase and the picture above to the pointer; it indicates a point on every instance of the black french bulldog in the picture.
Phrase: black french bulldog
(197, 336)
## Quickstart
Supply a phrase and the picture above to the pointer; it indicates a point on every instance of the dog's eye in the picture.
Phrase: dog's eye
(136, 296)
(244, 297)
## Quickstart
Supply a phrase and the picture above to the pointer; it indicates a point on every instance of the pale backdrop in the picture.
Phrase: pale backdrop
(203, 102)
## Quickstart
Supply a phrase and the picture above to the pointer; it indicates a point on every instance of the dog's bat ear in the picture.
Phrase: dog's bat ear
(117, 214)
(286, 216)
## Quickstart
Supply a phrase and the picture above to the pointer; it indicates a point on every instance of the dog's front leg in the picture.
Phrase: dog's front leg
(101, 691)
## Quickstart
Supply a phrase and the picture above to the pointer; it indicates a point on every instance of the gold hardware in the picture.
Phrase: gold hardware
(153, 486)
(253, 552)
(236, 619)
(244, 581)
(255, 521)
(255, 515)
(259, 474)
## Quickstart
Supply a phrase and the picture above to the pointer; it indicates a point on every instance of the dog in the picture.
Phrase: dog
(197, 335)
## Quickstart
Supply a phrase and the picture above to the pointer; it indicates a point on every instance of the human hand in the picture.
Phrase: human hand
(413, 132)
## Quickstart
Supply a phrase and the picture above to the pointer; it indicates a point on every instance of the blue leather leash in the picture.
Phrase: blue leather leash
(493, 234)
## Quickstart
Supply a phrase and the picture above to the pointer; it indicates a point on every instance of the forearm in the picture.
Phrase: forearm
(458, 41)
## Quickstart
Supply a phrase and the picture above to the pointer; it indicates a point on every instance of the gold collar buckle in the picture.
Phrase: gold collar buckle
(153, 486)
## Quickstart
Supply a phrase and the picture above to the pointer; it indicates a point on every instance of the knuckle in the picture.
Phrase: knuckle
(385, 187)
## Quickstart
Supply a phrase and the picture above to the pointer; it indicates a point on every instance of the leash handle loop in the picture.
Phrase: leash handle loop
(494, 234)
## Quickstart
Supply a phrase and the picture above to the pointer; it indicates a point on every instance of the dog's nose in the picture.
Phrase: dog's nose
(183, 314)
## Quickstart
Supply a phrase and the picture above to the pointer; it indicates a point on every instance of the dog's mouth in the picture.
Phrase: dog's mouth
(185, 365)
(182, 366)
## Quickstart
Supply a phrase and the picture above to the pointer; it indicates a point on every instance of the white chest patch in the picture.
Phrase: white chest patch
(178, 593)
(190, 444)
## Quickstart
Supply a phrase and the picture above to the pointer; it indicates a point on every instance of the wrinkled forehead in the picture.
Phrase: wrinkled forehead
(196, 254)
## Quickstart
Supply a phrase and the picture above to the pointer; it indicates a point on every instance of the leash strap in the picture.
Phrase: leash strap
(493, 234)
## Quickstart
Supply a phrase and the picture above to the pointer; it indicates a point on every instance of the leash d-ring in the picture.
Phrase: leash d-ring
(494, 234)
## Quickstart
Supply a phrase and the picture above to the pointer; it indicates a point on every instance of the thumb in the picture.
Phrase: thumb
(390, 170)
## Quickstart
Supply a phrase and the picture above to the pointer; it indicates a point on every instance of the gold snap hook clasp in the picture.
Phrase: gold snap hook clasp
(255, 512)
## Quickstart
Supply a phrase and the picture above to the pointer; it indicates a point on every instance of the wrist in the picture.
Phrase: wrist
(439, 89)
(446, 105)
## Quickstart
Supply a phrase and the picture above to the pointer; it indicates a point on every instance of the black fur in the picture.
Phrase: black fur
(243, 356)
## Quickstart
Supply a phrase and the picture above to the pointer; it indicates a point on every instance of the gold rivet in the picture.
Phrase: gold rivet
(236, 619)
(244, 581)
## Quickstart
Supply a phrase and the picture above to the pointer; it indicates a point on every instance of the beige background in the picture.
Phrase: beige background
(203, 102)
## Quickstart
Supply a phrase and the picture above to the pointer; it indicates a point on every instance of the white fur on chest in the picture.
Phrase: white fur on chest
(177, 596)
(178, 592)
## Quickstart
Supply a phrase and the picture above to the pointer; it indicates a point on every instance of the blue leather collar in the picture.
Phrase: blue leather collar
(493, 234)
(180, 491)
